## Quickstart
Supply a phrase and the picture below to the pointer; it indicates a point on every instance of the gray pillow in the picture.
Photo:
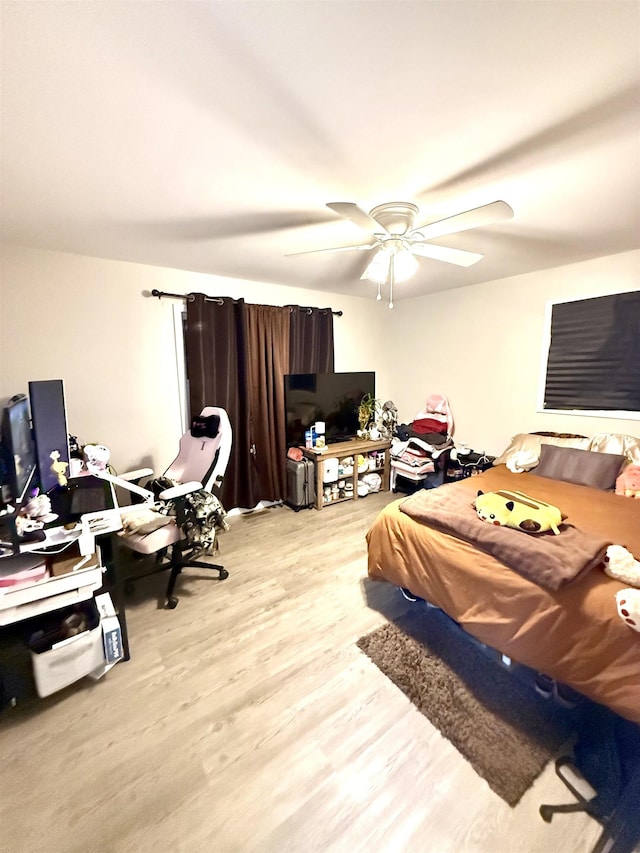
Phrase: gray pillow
(583, 467)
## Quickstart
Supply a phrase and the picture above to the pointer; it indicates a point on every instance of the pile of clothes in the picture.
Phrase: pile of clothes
(418, 445)
(204, 514)
(433, 424)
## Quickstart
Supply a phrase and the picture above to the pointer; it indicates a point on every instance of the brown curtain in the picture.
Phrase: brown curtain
(237, 355)
(218, 375)
(311, 346)
(268, 350)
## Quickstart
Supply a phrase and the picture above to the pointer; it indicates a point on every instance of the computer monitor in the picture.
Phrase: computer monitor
(18, 451)
(49, 416)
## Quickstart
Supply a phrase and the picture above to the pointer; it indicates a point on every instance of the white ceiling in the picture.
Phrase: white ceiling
(209, 136)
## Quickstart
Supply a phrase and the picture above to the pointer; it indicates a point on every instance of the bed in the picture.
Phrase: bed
(572, 634)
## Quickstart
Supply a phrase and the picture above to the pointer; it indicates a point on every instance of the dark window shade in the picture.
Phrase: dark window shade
(594, 355)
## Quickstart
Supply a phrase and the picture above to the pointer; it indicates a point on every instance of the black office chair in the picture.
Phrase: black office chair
(183, 526)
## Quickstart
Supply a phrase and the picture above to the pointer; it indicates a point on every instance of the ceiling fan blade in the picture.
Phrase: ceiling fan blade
(351, 211)
(440, 253)
(496, 211)
(361, 248)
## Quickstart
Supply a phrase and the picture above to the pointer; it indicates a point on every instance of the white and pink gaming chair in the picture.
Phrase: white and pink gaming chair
(201, 462)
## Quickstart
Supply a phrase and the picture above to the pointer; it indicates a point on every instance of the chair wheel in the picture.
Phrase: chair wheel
(223, 574)
(172, 602)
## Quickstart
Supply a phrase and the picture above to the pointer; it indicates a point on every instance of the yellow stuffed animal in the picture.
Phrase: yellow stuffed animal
(517, 510)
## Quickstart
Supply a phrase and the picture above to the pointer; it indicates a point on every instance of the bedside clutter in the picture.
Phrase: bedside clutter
(416, 464)
(464, 462)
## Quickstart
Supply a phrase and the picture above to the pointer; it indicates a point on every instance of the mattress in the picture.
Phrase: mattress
(573, 634)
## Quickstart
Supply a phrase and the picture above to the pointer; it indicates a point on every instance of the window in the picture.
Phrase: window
(592, 355)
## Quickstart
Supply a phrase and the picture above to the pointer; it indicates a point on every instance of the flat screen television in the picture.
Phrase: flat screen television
(18, 450)
(330, 397)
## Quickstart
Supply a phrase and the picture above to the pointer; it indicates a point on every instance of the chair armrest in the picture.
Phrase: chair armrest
(137, 474)
(179, 491)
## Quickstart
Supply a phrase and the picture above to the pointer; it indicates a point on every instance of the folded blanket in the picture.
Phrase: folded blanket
(548, 560)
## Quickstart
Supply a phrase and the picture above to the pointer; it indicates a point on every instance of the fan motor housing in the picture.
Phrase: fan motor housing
(396, 216)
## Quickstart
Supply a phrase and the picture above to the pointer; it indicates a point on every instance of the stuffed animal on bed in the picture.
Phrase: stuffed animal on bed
(628, 604)
(620, 564)
(628, 482)
(517, 510)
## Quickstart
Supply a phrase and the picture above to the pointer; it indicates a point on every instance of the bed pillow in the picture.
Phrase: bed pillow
(582, 467)
(609, 442)
(532, 442)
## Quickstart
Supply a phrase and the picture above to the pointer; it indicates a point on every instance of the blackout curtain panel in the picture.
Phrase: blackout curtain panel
(268, 356)
(237, 355)
(311, 347)
(218, 375)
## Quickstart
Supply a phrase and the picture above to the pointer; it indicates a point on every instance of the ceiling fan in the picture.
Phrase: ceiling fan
(398, 241)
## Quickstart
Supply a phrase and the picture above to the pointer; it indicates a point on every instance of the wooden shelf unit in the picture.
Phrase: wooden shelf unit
(342, 450)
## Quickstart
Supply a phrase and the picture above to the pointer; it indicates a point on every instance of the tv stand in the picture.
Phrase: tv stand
(341, 450)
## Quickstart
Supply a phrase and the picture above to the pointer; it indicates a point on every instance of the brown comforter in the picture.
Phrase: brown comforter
(548, 559)
(573, 634)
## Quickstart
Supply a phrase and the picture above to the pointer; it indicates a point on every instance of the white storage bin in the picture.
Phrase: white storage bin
(330, 469)
(68, 660)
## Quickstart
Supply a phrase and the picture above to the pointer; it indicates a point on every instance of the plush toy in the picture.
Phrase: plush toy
(39, 508)
(628, 482)
(96, 457)
(144, 521)
(389, 419)
(628, 604)
(621, 565)
(517, 510)
(59, 467)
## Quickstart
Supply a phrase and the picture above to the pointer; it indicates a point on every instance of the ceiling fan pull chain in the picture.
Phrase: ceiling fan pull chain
(379, 296)
(391, 266)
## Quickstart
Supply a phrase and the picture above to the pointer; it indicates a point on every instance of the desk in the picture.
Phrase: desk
(30, 600)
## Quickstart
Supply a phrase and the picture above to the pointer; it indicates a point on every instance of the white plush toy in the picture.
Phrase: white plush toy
(621, 565)
(96, 457)
(628, 603)
(39, 508)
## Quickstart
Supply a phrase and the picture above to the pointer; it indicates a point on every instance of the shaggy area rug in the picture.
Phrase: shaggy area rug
(492, 715)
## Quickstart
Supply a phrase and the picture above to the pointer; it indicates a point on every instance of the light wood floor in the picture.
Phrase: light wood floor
(247, 720)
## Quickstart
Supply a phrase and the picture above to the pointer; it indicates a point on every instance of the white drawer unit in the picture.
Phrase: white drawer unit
(23, 601)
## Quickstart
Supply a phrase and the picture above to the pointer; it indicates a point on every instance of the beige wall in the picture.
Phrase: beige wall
(86, 321)
(481, 346)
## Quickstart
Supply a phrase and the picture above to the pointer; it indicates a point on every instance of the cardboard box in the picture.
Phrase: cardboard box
(111, 631)
(71, 560)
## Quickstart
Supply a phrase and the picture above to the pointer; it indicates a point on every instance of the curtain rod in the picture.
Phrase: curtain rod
(190, 297)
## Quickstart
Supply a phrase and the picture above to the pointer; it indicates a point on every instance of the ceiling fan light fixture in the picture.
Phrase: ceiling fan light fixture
(404, 265)
(378, 269)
